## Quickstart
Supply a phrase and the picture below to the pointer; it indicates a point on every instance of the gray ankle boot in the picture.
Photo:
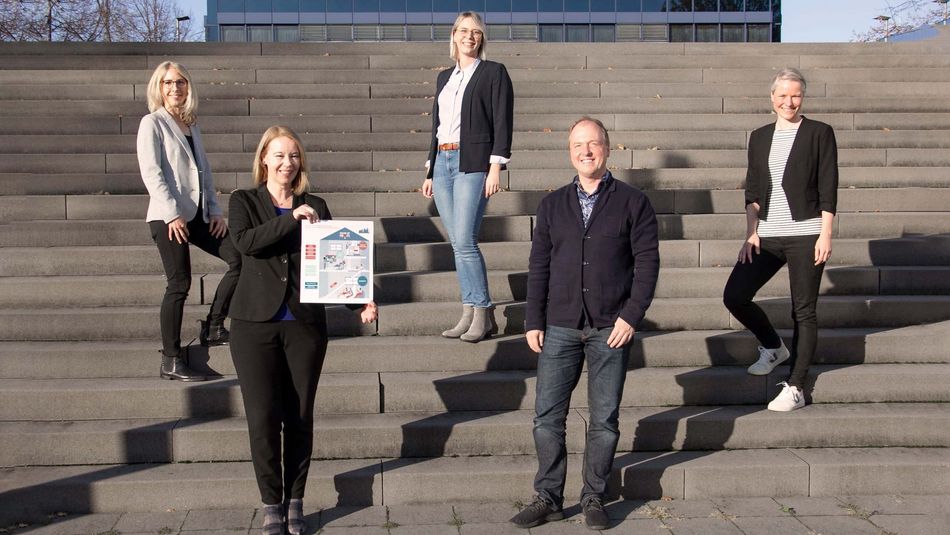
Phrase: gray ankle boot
(483, 325)
(462, 327)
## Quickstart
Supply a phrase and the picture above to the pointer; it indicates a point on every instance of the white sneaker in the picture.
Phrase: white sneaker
(789, 399)
(769, 359)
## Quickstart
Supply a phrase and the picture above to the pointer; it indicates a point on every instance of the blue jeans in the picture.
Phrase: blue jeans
(460, 198)
(559, 370)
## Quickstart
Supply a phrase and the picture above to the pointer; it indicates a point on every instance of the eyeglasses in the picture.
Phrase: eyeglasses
(477, 34)
(177, 83)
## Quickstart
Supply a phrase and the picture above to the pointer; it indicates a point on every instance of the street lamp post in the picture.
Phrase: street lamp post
(178, 21)
(887, 30)
(944, 2)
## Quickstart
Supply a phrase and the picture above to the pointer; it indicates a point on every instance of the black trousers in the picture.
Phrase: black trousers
(176, 260)
(278, 365)
(804, 278)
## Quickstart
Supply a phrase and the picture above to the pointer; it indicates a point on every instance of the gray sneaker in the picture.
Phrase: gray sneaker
(537, 513)
(769, 359)
(594, 515)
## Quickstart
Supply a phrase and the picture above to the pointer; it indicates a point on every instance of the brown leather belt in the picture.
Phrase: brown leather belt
(449, 146)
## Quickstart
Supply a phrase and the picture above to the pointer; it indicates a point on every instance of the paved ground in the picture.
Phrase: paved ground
(846, 515)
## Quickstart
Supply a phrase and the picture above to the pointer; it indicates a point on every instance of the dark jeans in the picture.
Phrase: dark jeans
(804, 278)
(278, 365)
(176, 260)
(559, 370)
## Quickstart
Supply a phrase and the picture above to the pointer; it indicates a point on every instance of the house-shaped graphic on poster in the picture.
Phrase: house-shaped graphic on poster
(345, 265)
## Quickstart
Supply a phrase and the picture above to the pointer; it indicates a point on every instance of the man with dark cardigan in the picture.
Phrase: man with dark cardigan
(592, 274)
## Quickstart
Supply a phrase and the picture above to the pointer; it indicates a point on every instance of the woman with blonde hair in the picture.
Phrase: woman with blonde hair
(182, 209)
(471, 144)
(278, 343)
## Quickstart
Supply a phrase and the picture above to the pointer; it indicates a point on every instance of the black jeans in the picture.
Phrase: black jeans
(278, 365)
(804, 278)
(176, 260)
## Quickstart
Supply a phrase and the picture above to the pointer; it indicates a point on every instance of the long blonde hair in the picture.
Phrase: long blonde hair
(477, 19)
(301, 183)
(189, 112)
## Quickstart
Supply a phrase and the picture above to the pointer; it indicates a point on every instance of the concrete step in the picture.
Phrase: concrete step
(726, 385)
(932, 250)
(110, 399)
(396, 435)
(406, 392)
(361, 141)
(130, 322)
(683, 475)
(672, 314)
(697, 348)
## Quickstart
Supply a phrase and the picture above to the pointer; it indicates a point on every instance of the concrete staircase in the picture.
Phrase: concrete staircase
(405, 416)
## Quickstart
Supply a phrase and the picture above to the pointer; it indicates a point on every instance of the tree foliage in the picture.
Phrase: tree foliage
(93, 20)
(904, 16)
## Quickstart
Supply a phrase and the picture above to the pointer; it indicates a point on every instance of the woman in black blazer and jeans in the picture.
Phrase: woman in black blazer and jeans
(278, 343)
(471, 143)
(791, 198)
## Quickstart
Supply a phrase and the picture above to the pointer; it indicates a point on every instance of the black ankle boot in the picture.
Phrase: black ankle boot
(213, 334)
(177, 369)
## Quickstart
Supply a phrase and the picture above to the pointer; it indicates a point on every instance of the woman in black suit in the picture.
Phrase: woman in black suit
(471, 143)
(278, 343)
(791, 198)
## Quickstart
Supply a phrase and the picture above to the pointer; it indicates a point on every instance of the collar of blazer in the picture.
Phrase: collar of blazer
(167, 118)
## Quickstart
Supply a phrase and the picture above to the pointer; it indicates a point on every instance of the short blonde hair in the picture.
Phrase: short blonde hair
(477, 19)
(792, 75)
(596, 122)
(301, 183)
(189, 112)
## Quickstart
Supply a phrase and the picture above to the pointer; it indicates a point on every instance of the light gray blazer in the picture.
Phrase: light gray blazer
(173, 176)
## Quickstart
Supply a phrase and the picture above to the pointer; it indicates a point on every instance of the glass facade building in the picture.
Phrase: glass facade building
(507, 20)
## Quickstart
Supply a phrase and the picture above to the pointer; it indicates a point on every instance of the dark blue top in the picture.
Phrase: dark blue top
(283, 313)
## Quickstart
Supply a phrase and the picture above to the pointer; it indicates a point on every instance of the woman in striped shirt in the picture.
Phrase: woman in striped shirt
(791, 198)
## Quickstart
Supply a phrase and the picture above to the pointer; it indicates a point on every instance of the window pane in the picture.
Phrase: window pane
(705, 5)
(776, 33)
(731, 5)
(365, 32)
(707, 33)
(603, 33)
(603, 6)
(628, 6)
(446, 6)
(499, 32)
(681, 33)
(286, 6)
(339, 32)
(654, 5)
(498, 5)
(419, 32)
(392, 32)
(477, 6)
(313, 6)
(578, 33)
(367, 6)
(260, 34)
(418, 6)
(230, 6)
(339, 6)
(524, 32)
(581, 6)
(233, 34)
(629, 32)
(681, 5)
(759, 33)
(525, 6)
(733, 33)
(441, 32)
(392, 6)
(655, 32)
(551, 5)
(288, 34)
(552, 33)
(757, 5)
(313, 32)
(257, 6)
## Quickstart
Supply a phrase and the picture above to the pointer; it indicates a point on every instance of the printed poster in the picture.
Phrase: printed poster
(336, 262)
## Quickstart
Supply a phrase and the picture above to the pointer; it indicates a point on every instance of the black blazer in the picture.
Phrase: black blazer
(811, 174)
(270, 249)
(487, 116)
(611, 267)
